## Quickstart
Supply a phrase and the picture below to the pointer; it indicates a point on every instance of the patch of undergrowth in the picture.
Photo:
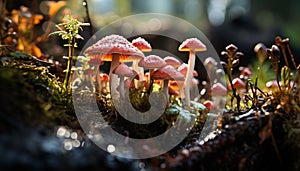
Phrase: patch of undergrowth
(41, 85)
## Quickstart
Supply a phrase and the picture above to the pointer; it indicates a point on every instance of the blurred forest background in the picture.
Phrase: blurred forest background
(242, 22)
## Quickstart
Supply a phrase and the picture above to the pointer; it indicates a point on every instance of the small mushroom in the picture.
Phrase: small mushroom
(218, 93)
(143, 46)
(191, 45)
(173, 92)
(172, 61)
(183, 69)
(152, 62)
(238, 84)
(104, 78)
(122, 70)
(167, 73)
(208, 104)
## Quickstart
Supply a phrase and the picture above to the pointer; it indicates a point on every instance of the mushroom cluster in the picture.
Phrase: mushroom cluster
(173, 76)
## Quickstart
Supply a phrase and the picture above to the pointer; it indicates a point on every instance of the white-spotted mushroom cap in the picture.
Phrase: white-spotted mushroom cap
(151, 62)
(192, 44)
(141, 44)
(114, 44)
(167, 72)
(172, 61)
(123, 70)
(238, 84)
(183, 69)
(218, 90)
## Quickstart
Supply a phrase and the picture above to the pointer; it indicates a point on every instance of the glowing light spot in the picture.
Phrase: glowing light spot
(74, 135)
(111, 148)
(61, 132)
(68, 145)
(216, 17)
(154, 24)
(142, 165)
(76, 143)
(127, 28)
(67, 134)
(202, 92)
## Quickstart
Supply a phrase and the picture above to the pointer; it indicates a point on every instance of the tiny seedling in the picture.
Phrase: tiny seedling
(69, 30)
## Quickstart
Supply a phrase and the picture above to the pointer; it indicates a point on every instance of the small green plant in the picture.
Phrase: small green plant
(69, 30)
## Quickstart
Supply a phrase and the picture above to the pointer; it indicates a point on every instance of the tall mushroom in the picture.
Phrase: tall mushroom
(167, 73)
(122, 70)
(191, 45)
(143, 46)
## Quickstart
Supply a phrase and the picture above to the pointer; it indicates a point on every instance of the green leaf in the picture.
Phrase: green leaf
(56, 33)
(172, 111)
(185, 114)
(198, 106)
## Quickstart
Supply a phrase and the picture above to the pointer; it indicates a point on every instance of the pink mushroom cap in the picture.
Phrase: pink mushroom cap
(192, 44)
(142, 44)
(152, 61)
(172, 61)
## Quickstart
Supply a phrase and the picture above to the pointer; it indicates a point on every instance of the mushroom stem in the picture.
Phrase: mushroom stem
(114, 63)
(140, 72)
(189, 76)
(121, 88)
(150, 74)
(166, 88)
(98, 81)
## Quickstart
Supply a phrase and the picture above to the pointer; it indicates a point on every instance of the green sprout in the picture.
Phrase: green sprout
(69, 30)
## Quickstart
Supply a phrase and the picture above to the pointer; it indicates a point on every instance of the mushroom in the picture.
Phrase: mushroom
(152, 62)
(238, 84)
(183, 69)
(167, 73)
(178, 85)
(143, 46)
(208, 104)
(191, 45)
(114, 48)
(95, 61)
(218, 93)
(104, 78)
(173, 92)
(172, 61)
(122, 70)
